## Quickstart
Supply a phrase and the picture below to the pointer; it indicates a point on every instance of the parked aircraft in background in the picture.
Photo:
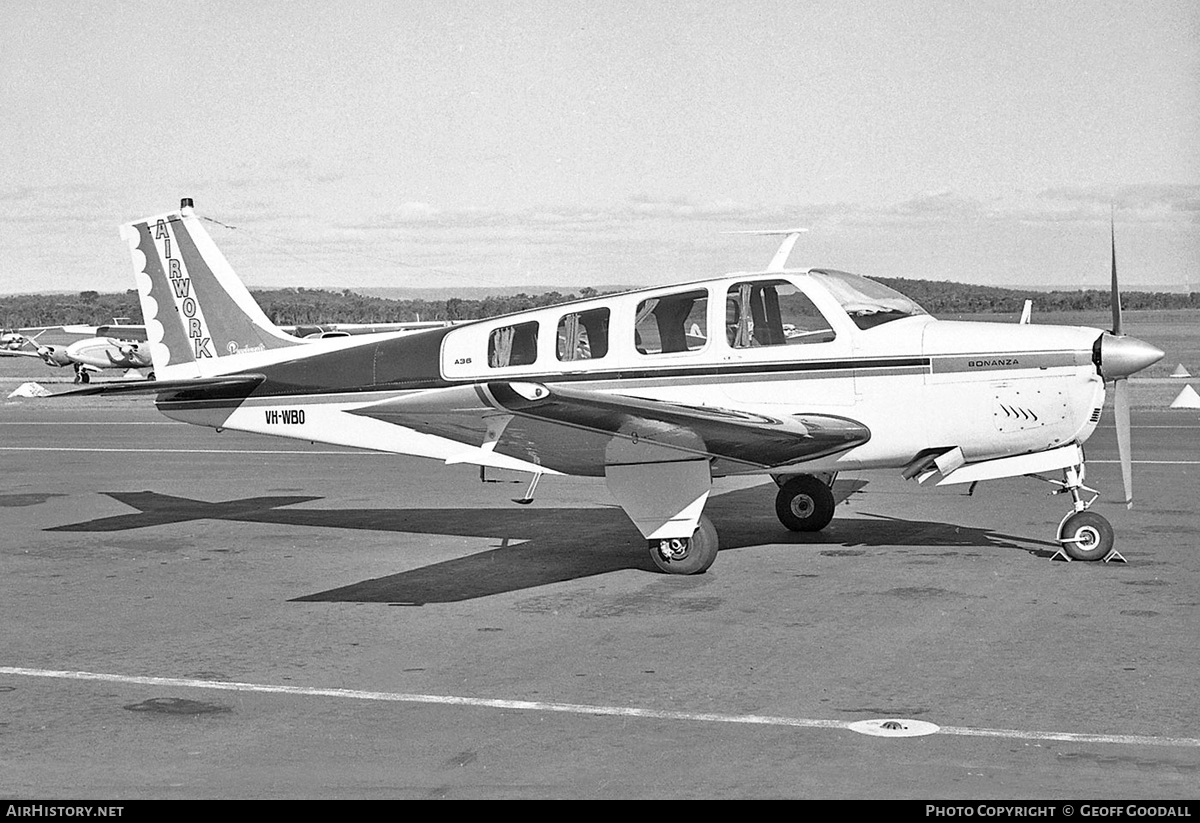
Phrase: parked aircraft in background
(794, 373)
(123, 346)
(115, 346)
(322, 331)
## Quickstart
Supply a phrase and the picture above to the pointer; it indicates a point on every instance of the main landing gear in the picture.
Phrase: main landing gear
(687, 555)
(81, 374)
(1083, 535)
(805, 502)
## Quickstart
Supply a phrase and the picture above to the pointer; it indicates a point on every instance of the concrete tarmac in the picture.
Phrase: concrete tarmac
(189, 614)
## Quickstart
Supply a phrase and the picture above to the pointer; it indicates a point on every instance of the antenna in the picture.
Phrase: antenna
(785, 248)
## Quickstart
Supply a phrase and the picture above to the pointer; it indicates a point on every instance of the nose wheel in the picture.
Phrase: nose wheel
(1086, 536)
(1083, 534)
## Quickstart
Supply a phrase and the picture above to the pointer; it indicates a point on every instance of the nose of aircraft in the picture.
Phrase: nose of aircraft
(1122, 356)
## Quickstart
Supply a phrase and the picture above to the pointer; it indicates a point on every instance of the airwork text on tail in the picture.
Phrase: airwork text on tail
(196, 310)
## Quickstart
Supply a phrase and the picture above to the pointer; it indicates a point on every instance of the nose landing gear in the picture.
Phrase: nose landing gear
(1082, 534)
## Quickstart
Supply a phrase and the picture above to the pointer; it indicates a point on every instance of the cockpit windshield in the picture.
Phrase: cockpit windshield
(868, 303)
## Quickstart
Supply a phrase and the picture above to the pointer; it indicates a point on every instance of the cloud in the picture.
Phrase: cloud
(1144, 200)
(18, 194)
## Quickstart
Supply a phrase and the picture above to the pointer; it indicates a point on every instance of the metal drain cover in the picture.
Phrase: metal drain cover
(894, 727)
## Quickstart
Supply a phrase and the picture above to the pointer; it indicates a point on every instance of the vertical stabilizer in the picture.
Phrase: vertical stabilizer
(197, 312)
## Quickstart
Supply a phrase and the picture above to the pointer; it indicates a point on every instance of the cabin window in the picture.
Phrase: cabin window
(772, 313)
(868, 303)
(583, 335)
(513, 345)
(672, 323)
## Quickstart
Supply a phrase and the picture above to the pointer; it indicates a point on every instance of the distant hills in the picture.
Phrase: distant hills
(302, 305)
(475, 293)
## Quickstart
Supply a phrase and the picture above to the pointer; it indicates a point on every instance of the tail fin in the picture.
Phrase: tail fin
(195, 308)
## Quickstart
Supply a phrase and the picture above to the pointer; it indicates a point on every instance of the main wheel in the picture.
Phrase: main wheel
(687, 555)
(804, 504)
(1086, 536)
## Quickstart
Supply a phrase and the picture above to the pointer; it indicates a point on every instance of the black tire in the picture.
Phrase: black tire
(687, 556)
(804, 504)
(1086, 536)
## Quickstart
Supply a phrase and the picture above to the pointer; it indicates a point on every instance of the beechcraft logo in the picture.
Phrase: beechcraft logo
(233, 347)
(181, 284)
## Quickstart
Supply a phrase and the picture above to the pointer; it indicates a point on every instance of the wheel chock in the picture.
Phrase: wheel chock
(1113, 556)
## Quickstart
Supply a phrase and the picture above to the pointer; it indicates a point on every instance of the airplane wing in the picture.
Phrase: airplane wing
(581, 431)
(117, 330)
(18, 353)
(120, 332)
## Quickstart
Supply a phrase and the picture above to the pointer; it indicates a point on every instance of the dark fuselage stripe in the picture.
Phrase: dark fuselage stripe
(613, 378)
(766, 371)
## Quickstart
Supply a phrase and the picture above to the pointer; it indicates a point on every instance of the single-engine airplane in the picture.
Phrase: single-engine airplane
(794, 373)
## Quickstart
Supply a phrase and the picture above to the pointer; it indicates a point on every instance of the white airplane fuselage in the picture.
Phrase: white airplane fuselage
(991, 389)
(105, 353)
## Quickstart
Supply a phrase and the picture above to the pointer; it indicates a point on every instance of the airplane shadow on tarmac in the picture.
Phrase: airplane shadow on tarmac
(540, 546)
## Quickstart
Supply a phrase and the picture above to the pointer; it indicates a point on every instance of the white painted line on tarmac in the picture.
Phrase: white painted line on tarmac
(1154, 462)
(577, 708)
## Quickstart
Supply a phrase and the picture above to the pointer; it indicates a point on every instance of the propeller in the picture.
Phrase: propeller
(13, 340)
(1119, 357)
(51, 356)
(128, 348)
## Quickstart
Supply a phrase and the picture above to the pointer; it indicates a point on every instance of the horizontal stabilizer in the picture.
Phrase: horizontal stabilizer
(234, 384)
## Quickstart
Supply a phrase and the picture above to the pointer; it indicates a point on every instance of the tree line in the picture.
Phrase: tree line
(298, 306)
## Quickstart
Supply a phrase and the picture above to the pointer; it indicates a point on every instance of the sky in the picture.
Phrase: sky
(564, 144)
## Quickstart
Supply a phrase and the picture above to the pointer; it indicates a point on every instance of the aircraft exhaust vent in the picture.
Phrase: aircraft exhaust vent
(186, 203)
(1096, 415)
